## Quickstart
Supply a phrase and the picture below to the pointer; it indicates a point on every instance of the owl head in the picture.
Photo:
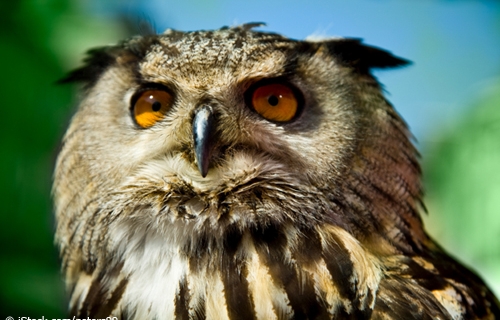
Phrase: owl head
(210, 132)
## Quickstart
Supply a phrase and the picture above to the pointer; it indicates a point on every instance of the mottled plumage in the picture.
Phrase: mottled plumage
(209, 208)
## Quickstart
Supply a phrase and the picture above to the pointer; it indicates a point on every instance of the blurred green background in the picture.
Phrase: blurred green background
(450, 98)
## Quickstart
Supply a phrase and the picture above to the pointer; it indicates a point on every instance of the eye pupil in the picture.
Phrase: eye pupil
(151, 106)
(276, 102)
(273, 100)
(156, 106)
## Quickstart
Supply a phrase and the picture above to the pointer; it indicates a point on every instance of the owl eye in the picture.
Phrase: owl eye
(151, 106)
(275, 102)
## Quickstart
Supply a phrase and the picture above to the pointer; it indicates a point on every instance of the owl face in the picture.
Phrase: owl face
(231, 119)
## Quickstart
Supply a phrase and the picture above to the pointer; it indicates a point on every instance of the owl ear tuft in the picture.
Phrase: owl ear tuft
(95, 63)
(99, 59)
(362, 57)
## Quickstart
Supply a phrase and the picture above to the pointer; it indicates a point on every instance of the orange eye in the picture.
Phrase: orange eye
(151, 106)
(275, 102)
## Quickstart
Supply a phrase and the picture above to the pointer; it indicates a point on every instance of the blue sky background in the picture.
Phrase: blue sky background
(455, 45)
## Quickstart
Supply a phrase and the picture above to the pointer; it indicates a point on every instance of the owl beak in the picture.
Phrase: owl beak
(203, 127)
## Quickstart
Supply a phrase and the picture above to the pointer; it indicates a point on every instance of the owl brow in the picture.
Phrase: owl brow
(291, 65)
(298, 50)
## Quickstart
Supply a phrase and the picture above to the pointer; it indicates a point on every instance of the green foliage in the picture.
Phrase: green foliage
(463, 180)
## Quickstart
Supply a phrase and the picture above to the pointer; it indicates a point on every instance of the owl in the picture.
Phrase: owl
(238, 174)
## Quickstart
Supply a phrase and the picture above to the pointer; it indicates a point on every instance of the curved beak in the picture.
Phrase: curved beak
(203, 127)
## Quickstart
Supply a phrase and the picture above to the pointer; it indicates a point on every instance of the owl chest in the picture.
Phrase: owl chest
(258, 279)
